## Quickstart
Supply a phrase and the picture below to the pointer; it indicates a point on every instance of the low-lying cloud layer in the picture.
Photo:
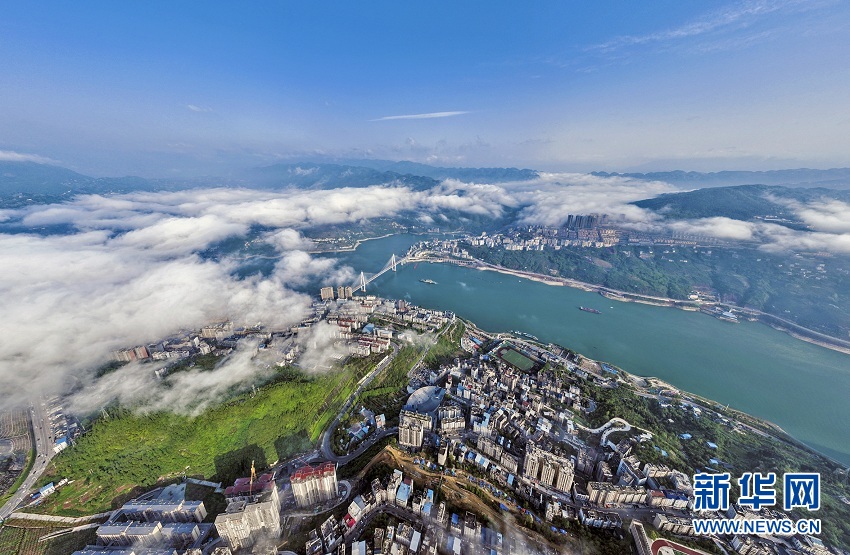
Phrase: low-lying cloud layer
(69, 301)
(12, 156)
(130, 271)
(552, 198)
(828, 222)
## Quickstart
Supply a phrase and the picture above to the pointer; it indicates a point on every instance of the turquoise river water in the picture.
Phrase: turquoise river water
(803, 388)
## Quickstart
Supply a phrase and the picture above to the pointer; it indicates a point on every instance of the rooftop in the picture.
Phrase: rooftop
(425, 399)
(307, 472)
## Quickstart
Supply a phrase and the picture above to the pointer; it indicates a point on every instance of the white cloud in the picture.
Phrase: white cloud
(473, 198)
(70, 300)
(180, 236)
(297, 268)
(776, 238)
(12, 156)
(299, 171)
(430, 115)
(736, 16)
(719, 227)
(190, 391)
(767, 236)
(320, 347)
(196, 108)
(827, 215)
(553, 197)
(132, 273)
(287, 240)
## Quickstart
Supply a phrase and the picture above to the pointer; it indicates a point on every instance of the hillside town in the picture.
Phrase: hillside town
(585, 230)
(495, 440)
(344, 320)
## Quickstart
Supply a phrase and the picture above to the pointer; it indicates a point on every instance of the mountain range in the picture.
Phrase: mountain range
(835, 178)
(731, 194)
(741, 202)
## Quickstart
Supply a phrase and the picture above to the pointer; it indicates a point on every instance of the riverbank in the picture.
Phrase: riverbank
(350, 248)
(655, 388)
(762, 426)
(712, 358)
(794, 330)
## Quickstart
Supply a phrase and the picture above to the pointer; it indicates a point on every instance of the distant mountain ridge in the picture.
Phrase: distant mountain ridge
(835, 178)
(31, 179)
(491, 175)
(330, 176)
(742, 202)
(38, 178)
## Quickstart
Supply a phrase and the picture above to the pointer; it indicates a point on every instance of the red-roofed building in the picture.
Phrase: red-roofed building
(243, 487)
(253, 511)
(314, 484)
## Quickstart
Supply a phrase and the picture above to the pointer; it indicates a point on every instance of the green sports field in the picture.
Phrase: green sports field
(515, 358)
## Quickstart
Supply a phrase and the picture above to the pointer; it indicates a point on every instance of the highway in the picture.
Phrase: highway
(43, 433)
(325, 448)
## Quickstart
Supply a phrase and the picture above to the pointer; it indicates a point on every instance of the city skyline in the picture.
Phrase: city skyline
(171, 91)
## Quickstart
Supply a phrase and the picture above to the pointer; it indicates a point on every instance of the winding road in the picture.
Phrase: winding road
(325, 447)
(43, 446)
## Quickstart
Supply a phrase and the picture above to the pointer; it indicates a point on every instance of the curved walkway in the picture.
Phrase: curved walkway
(616, 424)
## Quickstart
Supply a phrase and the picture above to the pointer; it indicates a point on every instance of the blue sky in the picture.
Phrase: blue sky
(167, 88)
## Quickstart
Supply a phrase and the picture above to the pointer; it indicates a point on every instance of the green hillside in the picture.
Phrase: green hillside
(129, 452)
(743, 202)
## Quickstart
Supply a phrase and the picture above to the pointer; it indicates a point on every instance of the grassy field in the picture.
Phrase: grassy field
(395, 375)
(21, 537)
(447, 346)
(515, 358)
(387, 394)
(129, 452)
(384, 395)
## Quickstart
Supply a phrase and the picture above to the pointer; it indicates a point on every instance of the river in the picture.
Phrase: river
(801, 387)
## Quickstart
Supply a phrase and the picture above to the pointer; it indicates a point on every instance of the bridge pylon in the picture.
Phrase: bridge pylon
(393, 262)
(362, 282)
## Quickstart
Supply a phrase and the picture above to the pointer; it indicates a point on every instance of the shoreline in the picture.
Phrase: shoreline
(764, 427)
(771, 428)
(686, 305)
(354, 247)
(624, 296)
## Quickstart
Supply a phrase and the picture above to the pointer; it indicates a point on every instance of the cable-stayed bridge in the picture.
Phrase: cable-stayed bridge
(412, 256)
(391, 265)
